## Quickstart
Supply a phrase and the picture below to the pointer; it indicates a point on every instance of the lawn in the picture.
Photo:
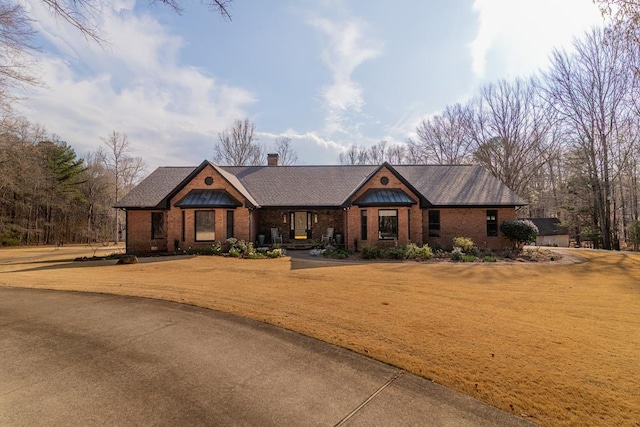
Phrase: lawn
(558, 344)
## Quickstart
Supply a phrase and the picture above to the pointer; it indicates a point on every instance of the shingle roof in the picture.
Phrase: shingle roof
(154, 188)
(456, 185)
(300, 186)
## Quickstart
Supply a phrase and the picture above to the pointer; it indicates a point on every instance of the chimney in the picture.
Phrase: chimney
(273, 159)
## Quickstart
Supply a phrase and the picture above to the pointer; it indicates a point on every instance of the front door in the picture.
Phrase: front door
(300, 225)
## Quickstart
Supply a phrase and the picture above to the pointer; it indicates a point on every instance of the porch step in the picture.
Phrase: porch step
(298, 244)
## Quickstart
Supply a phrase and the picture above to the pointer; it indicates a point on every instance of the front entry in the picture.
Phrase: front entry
(300, 225)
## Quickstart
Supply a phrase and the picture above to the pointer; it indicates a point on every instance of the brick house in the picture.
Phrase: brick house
(179, 207)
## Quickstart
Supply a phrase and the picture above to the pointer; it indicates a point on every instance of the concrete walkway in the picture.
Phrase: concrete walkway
(92, 359)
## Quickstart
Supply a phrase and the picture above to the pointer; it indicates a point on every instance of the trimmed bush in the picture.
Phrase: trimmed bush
(370, 252)
(469, 258)
(419, 253)
(519, 231)
(464, 243)
(393, 253)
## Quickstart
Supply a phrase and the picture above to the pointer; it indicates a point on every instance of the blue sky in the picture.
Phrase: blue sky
(327, 74)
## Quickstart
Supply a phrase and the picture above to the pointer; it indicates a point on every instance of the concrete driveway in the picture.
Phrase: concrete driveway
(92, 359)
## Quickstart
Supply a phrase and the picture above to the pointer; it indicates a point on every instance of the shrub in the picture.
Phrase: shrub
(489, 258)
(473, 251)
(469, 258)
(275, 253)
(234, 252)
(464, 243)
(393, 253)
(457, 254)
(370, 252)
(9, 241)
(255, 255)
(519, 231)
(419, 253)
(336, 253)
(509, 254)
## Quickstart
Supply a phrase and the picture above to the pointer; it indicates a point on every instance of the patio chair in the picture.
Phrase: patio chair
(327, 237)
(276, 237)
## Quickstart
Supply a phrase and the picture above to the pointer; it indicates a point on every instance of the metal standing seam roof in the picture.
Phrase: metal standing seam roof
(549, 226)
(331, 186)
(208, 198)
(384, 197)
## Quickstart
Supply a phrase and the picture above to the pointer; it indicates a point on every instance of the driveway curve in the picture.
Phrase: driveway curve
(91, 359)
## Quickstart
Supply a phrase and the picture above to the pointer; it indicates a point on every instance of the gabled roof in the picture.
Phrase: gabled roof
(330, 186)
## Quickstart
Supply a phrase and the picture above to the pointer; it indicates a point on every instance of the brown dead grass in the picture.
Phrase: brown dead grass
(559, 344)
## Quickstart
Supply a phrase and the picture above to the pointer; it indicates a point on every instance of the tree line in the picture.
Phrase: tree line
(48, 195)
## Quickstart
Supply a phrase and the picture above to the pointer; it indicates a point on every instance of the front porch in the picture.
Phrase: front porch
(299, 228)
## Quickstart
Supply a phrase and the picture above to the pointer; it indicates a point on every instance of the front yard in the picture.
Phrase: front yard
(557, 343)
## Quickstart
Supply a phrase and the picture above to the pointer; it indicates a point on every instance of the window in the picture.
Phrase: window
(434, 223)
(183, 225)
(363, 225)
(229, 224)
(492, 223)
(205, 226)
(387, 224)
(157, 225)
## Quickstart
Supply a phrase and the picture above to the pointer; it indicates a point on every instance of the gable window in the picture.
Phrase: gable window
(363, 225)
(492, 222)
(434, 223)
(387, 224)
(157, 225)
(205, 226)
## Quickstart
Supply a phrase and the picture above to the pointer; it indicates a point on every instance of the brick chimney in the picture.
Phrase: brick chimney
(273, 159)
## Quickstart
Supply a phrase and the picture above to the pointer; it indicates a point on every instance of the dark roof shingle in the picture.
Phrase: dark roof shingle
(300, 186)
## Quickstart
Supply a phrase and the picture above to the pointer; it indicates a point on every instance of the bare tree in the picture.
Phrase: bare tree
(397, 154)
(286, 153)
(16, 61)
(378, 153)
(354, 155)
(125, 169)
(625, 16)
(590, 88)
(444, 138)
(17, 31)
(81, 14)
(237, 145)
(511, 131)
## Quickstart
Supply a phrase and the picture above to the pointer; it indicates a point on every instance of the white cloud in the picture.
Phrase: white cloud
(308, 145)
(522, 33)
(346, 47)
(171, 112)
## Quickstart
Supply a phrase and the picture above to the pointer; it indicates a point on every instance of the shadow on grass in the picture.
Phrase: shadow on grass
(72, 264)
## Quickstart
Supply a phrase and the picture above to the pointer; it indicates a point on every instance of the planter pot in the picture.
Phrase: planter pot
(338, 239)
(261, 238)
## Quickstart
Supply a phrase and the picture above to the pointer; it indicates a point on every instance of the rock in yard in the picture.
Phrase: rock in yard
(128, 259)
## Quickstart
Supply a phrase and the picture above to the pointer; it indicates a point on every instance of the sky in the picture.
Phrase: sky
(325, 73)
